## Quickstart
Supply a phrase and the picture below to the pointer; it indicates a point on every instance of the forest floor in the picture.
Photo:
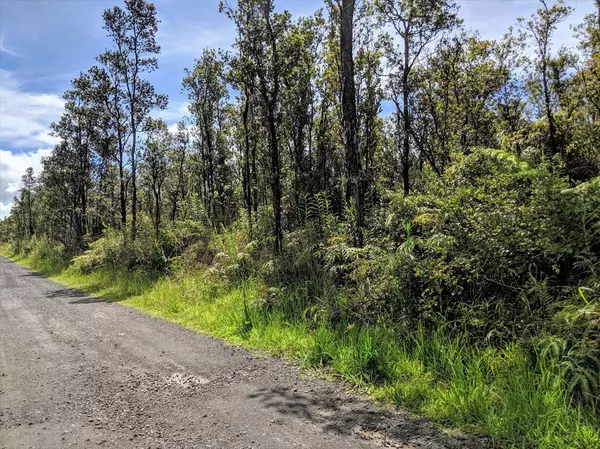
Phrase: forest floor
(76, 371)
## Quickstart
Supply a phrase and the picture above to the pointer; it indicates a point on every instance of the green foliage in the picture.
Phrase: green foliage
(457, 280)
(575, 344)
(497, 250)
(188, 244)
(104, 252)
(45, 255)
(518, 399)
(491, 248)
(116, 250)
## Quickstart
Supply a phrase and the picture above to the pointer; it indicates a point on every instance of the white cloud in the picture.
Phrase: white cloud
(4, 49)
(188, 40)
(25, 116)
(12, 167)
(24, 131)
(5, 210)
(177, 111)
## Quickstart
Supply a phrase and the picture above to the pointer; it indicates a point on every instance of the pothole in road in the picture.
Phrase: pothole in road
(187, 381)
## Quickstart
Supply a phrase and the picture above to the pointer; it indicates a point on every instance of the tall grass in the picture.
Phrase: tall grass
(519, 400)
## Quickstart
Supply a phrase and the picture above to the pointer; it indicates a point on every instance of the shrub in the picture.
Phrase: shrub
(188, 245)
(490, 246)
(46, 255)
(114, 251)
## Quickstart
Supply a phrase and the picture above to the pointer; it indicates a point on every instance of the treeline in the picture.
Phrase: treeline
(373, 163)
(379, 116)
(370, 123)
(296, 109)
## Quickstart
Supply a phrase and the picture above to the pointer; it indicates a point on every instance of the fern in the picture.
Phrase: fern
(507, 157)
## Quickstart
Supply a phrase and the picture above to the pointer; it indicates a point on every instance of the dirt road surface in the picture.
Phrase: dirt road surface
(77, 372)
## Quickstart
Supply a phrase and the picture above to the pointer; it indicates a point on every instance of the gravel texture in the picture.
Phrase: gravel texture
(79, 372)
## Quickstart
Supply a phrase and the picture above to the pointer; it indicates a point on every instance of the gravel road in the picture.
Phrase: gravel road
(79, 372)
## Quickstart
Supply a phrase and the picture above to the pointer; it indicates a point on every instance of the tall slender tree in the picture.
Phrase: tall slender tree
(207, 92)
(133, 34)
(28, 182)
(261, 33)
(154, 165)
(417, 24)
(540, 27)
(178, 161)
(354, 184)
(299, 52)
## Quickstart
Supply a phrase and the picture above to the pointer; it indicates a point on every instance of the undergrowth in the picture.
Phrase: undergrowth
(513, 393)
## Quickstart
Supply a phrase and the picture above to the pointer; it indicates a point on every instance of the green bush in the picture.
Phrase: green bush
(475, 299)
(490, 246)
(115, 250)
(46, 255)
(574, 342)
(188, 245)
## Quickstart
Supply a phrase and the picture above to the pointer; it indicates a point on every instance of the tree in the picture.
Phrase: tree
(261, 33)
(511, 99)
(328, 134)
(417, 24)
(584, 101)
(207, 92)
(28, 182)
(299, 51)
(112, 127)
(177, 164)
(249, 161)
(72, 163)
(133, 33)
(368, 65)
(354, 184)
(154, 166)
(456, 94)
(540, 28)
(589, 75)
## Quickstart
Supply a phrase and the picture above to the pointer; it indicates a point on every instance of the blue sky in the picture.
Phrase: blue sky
(46, 43)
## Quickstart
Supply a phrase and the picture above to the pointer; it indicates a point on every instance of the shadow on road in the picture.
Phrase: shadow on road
(341, 417)
(87, 300)
(77, 296)
(33, 275)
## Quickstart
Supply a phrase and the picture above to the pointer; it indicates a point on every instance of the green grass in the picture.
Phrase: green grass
(497, 392)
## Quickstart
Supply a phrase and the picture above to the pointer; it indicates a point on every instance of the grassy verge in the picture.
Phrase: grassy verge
(498, 392)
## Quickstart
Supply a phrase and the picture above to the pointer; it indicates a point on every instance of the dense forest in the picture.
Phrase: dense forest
(421, 203)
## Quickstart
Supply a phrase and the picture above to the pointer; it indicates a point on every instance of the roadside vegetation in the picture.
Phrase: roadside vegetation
(444, 257)
(519, 364)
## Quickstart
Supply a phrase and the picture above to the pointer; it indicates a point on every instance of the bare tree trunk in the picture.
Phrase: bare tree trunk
(275, 181)
(350, 121)
(406, 116)
(133, 190)
(122, 199)
(246, 177)
(156, 209)
(254, 180)
(320, 173)
(270, 98)
(30, 213)
(548, 107)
